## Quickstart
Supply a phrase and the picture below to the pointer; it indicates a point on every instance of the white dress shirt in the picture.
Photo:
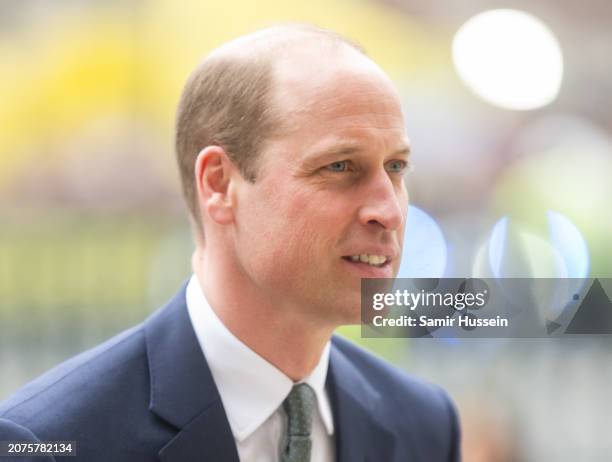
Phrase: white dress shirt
(252, 390)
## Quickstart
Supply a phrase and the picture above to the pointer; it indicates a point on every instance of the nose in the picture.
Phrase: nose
(385, 203)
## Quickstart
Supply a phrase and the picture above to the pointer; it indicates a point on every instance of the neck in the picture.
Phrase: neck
(282, 335)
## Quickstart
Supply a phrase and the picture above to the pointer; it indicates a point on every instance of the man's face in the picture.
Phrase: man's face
(329, 190)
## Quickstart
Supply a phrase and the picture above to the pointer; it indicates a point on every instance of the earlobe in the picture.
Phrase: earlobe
(213, 180)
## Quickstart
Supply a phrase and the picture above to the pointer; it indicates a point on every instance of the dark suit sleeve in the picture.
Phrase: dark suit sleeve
(10, 431)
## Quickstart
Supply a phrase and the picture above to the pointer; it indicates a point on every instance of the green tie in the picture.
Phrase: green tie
(298, 406)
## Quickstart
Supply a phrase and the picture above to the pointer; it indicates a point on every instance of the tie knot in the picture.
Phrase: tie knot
(299, 405)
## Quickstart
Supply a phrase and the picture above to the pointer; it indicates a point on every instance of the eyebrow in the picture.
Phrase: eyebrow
(347, 150)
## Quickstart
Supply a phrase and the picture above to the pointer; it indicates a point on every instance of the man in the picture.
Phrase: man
(292, 149)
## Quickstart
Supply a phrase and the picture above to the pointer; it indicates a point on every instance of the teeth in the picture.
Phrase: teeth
(370, 259)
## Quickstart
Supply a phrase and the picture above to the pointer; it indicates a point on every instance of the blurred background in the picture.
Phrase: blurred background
(510, 117)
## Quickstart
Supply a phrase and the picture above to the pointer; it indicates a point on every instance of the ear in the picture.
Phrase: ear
(213, 176)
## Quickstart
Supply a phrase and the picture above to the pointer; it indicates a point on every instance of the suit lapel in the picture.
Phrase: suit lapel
(362, 433)
(183, 392)
(206, 438)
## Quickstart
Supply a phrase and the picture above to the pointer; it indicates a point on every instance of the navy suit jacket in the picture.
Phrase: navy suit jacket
(148, 395)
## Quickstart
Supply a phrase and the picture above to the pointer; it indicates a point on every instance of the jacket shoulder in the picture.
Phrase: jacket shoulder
(81, 385)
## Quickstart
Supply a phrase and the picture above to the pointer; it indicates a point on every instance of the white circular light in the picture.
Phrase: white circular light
(509, 58)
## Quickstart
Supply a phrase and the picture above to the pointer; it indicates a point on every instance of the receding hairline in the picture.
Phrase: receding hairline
(279, 46)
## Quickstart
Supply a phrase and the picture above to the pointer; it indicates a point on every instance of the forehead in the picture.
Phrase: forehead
(337, 98)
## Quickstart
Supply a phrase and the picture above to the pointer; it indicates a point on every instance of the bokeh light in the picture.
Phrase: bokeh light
(509, 58)
(519, 249)
(425, 251)
(516, 249)
(569, 242)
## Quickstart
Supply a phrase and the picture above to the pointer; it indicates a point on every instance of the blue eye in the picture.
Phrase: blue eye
(340, 166)
(397, 166)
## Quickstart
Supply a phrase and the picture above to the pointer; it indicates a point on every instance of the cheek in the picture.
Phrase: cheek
(274, 230)
(309, 228)
(301, 224)
(289, 226)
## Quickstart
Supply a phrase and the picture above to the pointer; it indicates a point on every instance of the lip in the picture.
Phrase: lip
(365, 270)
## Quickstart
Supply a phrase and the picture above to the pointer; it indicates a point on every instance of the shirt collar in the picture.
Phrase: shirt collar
(234, 365)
